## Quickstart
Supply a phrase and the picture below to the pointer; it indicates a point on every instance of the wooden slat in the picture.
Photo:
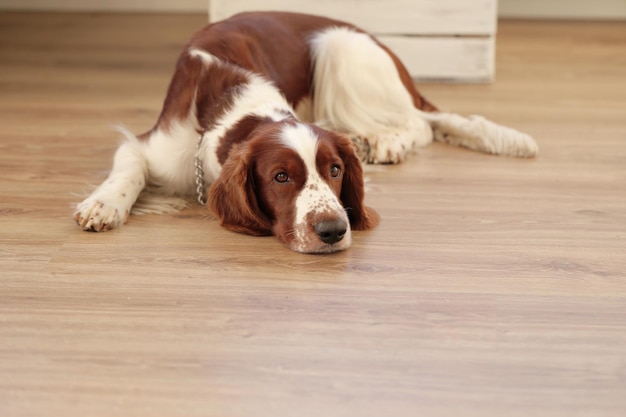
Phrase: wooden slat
(445, 58)
(424, 34)
(398, 17)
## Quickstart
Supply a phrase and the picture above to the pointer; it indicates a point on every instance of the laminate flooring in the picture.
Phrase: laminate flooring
(492, 287)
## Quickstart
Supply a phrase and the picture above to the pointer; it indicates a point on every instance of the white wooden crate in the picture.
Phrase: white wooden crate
(443, 40)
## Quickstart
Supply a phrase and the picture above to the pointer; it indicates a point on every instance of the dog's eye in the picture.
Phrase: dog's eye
(281, 177)
(335, 171)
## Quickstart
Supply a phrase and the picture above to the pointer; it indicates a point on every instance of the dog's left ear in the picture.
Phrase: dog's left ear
(352, 188)
(232, 196)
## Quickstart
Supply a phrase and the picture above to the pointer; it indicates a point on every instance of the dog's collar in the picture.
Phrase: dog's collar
(200, 183)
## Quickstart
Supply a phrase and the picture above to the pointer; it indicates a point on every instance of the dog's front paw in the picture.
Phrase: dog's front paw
(99, 215)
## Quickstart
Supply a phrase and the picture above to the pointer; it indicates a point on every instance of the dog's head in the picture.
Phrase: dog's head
(296, 181)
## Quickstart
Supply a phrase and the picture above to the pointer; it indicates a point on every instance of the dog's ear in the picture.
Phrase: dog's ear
(232, 196)
(352, 188)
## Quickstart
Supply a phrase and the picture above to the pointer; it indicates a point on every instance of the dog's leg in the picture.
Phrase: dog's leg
(480, 134)
(108, 207)
(358, 91)
(393, 145)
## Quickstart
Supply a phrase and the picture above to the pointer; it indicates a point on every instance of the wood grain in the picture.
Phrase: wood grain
(394, 17)
(492, 287)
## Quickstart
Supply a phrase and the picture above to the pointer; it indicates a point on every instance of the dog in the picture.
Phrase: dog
(277, 112)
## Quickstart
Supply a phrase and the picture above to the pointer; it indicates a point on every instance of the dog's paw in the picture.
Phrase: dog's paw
(525, 147)
(390, 148)
(99, 215)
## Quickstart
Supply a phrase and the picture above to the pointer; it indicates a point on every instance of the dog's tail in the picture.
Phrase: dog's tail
(480, 134)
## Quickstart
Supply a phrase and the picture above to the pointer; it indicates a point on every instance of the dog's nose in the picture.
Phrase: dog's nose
(331, 231)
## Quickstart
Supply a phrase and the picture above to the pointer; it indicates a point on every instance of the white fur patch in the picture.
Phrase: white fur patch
(358, 91)
(206, 57)
(170, 157)
(357, 87)
(259, 98)
(301, 139)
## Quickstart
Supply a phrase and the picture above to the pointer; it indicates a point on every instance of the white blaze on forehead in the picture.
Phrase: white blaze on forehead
(303, 140)
(316, 195)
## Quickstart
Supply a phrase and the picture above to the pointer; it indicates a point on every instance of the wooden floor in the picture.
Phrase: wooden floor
(493, 286)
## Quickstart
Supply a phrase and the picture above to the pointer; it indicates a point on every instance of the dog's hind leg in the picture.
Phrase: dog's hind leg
(109, 206)
(358, 90)
(480, 134)
(391, 146)
(362, 89)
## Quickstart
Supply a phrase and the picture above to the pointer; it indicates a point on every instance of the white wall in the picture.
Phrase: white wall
(595, 9)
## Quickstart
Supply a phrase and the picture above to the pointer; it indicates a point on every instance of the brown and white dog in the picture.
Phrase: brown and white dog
(271, 105)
